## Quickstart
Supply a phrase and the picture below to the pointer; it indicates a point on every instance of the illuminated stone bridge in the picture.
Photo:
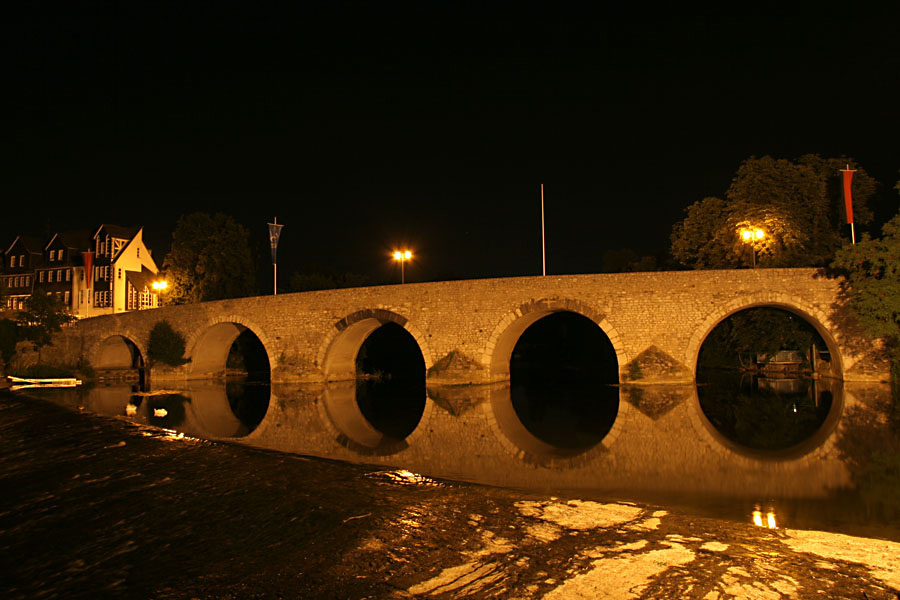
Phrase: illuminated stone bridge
(657, 439)
(466, 330)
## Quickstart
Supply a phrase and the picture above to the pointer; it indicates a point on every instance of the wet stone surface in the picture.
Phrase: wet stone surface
(100, 507)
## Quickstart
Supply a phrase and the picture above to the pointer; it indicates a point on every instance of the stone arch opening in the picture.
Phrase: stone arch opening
(121, 358)
(376, 393)
(118, 352)
(768, 381)
(815, 318)
(507, 333)
(235, 353)
(563, 369)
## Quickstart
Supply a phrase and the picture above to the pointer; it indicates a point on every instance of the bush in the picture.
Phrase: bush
(8, 337)
(166, 345)
(44, 372)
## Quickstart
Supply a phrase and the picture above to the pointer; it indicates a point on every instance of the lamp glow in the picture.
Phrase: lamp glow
(402, 256)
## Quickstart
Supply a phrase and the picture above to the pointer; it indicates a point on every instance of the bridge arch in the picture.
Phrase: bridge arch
(118, 351)
(338, 353)
(209, 344)
(817, 318)
(500, 345)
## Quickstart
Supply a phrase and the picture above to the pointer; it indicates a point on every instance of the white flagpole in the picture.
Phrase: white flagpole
(543, 237)
(275, 270)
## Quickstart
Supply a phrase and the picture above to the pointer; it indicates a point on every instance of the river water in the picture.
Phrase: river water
(139, 483)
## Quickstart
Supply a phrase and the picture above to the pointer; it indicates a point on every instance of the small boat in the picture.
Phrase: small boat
(19, 383)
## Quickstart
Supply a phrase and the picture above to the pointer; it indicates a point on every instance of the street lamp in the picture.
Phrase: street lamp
(750, 236)
(159, 287)
(402, 256)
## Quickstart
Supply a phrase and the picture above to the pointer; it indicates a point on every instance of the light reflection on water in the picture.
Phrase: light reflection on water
(665, 445)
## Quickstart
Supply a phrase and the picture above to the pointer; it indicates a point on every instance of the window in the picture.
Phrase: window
(101, 299)
(21, 260)
(59, 255)
(41, 276)
(138, 252)
(80, 296)
(52, 255)
(67, 297)
(68, 274)
(12, 261)
(27, 280)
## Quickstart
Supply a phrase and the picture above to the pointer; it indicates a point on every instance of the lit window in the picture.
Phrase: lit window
(68, 274)
(52, 254)
(21, 260)
(59, 255)
(68, 296)
(28, 280)
(50, 276)
(41, 276)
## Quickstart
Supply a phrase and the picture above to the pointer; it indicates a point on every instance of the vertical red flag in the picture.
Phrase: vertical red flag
(848, 199)
(88, 267)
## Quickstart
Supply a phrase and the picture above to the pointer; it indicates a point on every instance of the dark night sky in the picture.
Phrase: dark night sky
(364, 126)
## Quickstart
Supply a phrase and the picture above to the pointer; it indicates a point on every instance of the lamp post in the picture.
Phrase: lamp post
(750, 236)
(159, 287)
(402, 256)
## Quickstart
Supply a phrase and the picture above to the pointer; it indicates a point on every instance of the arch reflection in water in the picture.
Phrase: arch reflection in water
(774, 415)
(204, 409)
(765, 381)
(563, 376)
(384, 405)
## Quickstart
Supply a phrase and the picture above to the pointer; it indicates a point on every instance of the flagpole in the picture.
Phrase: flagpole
(275, 269)
(543, 238)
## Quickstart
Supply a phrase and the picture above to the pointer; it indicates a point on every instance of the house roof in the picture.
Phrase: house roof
(79, 239)
(140, 279)
(31, 244)
(118, 231)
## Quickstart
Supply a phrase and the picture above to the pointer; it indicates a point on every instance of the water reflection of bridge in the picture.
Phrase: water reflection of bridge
(660, 442)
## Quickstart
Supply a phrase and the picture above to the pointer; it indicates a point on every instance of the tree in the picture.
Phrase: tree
(210, 259)
(9, 336)
(44, 315)
(797, 203)
(871, 284)
(166, 345)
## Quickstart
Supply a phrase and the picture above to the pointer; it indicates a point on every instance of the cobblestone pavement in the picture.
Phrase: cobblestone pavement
(95, 507)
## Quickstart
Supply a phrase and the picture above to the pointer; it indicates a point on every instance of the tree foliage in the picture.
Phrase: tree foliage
(210, 259)
(166, 345)
(797, 203)
(871, 284)
(9, 337)
(44, 315)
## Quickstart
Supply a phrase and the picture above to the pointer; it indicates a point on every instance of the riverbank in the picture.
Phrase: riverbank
(98, 506)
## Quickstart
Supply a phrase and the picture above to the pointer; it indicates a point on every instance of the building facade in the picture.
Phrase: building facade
(105, 272)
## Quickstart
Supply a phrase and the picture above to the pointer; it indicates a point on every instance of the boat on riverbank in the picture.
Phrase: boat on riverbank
(19, 383)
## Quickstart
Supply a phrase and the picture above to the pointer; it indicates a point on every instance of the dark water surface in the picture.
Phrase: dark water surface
(119, 482)
(95, 506)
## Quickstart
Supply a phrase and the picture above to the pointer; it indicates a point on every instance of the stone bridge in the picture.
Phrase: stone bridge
(659, 441)
(466, 330)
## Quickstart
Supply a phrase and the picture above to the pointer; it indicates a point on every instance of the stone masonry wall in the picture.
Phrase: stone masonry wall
(656, 322)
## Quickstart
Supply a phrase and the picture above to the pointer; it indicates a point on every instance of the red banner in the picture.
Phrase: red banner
(848, 199)
(88, 268)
